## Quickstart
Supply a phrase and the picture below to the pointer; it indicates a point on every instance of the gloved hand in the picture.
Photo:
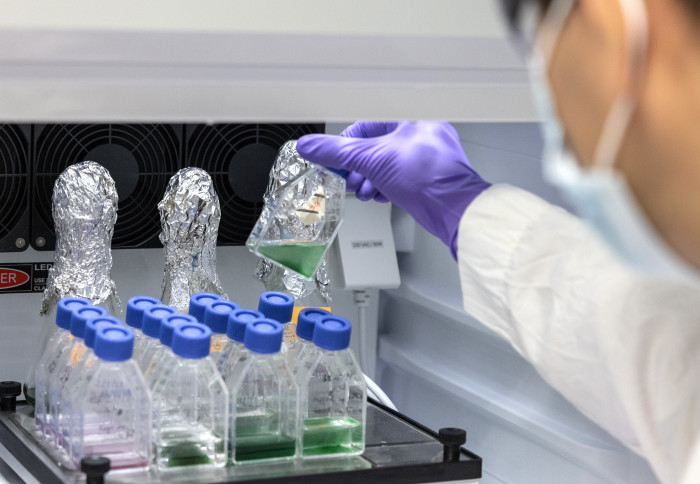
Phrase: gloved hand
(421, 167)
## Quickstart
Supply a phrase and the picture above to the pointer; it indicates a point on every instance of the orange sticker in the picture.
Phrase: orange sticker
(77, 353)
(216, 346)
(295, 314)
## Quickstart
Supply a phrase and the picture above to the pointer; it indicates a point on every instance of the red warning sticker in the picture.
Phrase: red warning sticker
(28, 277)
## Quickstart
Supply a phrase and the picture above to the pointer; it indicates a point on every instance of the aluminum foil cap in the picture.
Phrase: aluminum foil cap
(288, 165)
(84, 208)
(189, 217)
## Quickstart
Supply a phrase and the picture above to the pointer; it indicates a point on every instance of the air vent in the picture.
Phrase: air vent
(14, 187)
(140, 157)
(239, 158)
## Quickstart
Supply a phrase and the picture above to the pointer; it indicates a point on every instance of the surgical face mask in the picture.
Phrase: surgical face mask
(601, 194)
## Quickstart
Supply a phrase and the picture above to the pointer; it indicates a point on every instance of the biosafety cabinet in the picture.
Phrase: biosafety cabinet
(146, 88)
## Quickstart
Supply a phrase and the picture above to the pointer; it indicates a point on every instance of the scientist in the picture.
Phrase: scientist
(614, 326)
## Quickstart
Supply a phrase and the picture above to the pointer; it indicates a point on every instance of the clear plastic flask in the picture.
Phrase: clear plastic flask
(47, 365)
(299, 222)
(264, 426)
(65, 365)
(191, 405)
(81, 374)
(216, 317)
(150, 327)
(113, 415)
(306, 321)
(280, 307)
(333, 393)
(134, 318)
(164, 359)
(235, 349)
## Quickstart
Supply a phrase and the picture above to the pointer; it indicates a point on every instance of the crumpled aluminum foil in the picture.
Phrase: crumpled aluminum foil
(189, 217)
(84, 209)
(288, 165)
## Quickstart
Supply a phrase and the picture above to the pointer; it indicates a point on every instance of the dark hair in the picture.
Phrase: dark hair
(513, 9)
(693, 7)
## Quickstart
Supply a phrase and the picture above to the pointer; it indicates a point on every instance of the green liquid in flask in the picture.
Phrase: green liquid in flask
(332, 435)
(189, 448)
(264, 446)
(185, 454)
(30, 394)
(302, 258)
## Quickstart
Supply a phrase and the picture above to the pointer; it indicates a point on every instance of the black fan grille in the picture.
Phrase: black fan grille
(14, 186)
(217, 149)
(146, 157)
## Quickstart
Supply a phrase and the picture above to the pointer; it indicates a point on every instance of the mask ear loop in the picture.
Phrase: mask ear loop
(618, 119)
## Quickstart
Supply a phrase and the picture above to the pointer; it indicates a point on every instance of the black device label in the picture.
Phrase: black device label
(26, 277)
(367, 244)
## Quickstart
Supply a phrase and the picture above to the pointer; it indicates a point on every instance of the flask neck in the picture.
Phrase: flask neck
(82, 268)
(188, 272)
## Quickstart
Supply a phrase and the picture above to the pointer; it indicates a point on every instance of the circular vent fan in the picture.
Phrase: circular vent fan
(140, 157)
(239, 158)
(14, 188)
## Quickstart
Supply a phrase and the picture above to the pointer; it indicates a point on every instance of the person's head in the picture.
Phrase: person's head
(588, 70)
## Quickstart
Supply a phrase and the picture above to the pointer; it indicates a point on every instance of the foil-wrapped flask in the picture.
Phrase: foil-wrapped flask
(301, 219)
(84, 209)
(189, 217)
(314, 292)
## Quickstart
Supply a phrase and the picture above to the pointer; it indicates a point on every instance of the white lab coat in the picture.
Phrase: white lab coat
(624, 349)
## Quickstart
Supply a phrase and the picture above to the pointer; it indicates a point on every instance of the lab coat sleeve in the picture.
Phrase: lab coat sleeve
(624, 349)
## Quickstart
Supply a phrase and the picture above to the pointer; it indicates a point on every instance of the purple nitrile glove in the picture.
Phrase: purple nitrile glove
(354, 181)
(421, 167)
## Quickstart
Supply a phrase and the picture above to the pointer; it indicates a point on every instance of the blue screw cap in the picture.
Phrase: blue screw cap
(332, 333)
(80, 317)
(94, 324)
(191, 340)
(307, 320)
(238, 320)
(277, 305)
(135, 308)
(216, 314)
(199, 301)
(152, 317)
(263, 336)
(65, 308)
(114, 343)
(168, 325)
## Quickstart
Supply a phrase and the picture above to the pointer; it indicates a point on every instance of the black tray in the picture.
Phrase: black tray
(398, 449)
